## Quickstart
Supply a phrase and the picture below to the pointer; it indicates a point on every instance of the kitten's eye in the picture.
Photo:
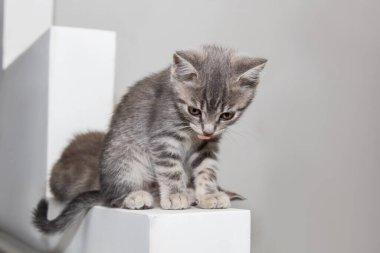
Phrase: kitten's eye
(189, 77)
(194, 111)
(227, 115)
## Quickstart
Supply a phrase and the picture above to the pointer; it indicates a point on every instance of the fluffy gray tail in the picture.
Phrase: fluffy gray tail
(81, 203)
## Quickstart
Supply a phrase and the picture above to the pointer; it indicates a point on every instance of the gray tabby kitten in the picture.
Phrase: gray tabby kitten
(165, 132)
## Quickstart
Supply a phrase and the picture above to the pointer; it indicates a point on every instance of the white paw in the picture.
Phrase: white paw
(138, 200)
(176, 201)
(217, 200)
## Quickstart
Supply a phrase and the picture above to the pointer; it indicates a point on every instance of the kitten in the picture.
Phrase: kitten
(76, 171)
(166, 131)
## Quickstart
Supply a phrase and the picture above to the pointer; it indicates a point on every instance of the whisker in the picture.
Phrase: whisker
(230, 136)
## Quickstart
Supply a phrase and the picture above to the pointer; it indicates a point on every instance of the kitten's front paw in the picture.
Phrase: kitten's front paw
(138, 200)
(176, 201)
(217, 200)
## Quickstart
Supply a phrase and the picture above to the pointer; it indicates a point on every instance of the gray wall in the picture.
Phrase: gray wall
(307, 153)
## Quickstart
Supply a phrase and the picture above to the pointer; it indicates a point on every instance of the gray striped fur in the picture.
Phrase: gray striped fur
(154, 139)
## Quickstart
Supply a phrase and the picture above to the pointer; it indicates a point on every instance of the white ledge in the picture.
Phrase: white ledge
(158, 231)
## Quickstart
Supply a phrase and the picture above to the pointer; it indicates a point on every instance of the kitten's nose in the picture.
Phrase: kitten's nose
(208, 130)
(207, 133)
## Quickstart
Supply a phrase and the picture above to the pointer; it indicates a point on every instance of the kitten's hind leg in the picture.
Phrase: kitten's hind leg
(138, 200)
(123, 178)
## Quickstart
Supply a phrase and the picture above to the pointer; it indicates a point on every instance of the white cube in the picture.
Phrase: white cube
(61, 85)
(162, 231)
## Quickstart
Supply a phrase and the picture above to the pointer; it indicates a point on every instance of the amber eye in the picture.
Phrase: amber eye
(194, 111)
(227, 115)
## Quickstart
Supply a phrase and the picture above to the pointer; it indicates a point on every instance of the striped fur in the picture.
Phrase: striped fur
(166, 131)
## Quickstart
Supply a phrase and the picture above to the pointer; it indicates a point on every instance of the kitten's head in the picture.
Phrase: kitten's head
(214, 86)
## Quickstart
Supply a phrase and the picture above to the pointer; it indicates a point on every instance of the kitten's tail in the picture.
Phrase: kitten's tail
(232, 195)
(81, 203)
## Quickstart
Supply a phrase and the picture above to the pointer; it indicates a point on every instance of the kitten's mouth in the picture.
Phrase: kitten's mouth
(203, 137)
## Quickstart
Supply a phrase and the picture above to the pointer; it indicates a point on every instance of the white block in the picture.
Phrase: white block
(24, 21)
(81, 79)
(62, 84)
(162, 231)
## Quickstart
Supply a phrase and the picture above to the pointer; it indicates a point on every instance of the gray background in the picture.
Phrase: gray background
(307, 152)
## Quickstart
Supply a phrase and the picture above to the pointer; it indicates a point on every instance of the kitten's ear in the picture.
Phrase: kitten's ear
(182, 68)
(248, 70)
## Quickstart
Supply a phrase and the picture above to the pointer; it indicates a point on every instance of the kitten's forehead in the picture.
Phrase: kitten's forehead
(215, 72)
(215, 67)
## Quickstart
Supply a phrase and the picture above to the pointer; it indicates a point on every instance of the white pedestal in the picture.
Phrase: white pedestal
(81, 78)
(61, 85)
(159, 231)
(22, 22)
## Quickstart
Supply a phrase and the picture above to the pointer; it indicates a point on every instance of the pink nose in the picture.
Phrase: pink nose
(208, 133)
(208, 129)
